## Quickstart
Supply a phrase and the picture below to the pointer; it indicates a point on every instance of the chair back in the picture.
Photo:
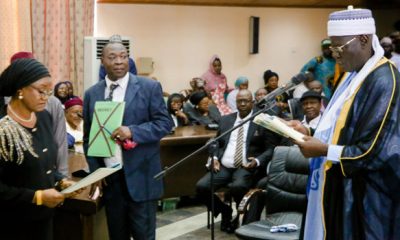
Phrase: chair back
(287, 181)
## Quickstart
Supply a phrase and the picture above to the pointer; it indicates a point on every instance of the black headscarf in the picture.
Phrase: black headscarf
(21, 73)
(197, 97)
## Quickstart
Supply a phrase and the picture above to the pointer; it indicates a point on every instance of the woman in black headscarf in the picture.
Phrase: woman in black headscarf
(27, 154)
(203, 112)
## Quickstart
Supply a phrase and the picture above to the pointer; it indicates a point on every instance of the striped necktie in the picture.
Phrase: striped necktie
(113, 86)
(238, 157)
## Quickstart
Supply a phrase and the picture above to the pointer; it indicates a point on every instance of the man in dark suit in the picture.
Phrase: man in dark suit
(239, 157)
(130, 194)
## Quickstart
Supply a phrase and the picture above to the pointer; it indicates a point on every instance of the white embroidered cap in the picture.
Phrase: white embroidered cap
(351, 22)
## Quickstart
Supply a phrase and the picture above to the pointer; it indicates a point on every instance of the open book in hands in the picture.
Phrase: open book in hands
(274, 124)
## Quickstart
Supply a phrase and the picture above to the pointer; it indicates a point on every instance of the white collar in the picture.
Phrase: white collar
(122, 82)
(238, 119)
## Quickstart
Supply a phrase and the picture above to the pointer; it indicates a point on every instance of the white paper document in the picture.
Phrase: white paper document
(96, 176)
(274, 124)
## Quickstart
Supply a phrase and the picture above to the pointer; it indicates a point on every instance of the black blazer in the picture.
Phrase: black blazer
(18, 182)
(260, 142)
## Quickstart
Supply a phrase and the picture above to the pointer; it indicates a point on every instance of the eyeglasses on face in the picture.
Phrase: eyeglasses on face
(339, 50)
(43, 93)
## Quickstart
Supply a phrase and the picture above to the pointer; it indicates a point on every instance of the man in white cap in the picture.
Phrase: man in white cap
(354, 187)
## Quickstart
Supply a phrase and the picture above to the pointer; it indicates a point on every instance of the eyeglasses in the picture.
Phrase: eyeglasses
(339, 50)
(43, 93)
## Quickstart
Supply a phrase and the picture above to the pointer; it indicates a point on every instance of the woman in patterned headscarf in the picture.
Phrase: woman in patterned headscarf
(27, 154)
(217, 85)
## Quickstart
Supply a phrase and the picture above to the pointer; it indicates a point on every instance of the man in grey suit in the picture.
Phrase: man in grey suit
(131, 194)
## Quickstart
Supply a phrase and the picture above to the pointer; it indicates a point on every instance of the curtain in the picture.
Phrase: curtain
(15, 29)
(58, 31)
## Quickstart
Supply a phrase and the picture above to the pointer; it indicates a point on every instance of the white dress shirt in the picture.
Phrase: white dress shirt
(78, 136)
(313, 123)
(228, 157)
(118, 96)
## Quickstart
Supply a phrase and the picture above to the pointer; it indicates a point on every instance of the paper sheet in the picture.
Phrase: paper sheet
(274, 124)
(97, 175)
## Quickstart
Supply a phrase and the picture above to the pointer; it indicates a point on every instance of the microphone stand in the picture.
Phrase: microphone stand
(212, 145)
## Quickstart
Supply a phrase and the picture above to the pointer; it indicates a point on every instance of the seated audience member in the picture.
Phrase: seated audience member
(203, 112)
(238, 157)
(175, 109)
(388, 47)
(271, 80)
(196, 84)
(260, 94)
(132, 66)
(311, 103)
(74, 123)
(240, 84)
(70, 89)
(317, 87)
(61, 92)
(303, 87)
(216, 84)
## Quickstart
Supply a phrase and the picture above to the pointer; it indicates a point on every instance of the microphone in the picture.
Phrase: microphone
(296, 80)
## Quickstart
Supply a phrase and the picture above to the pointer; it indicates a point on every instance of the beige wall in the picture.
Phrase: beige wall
(385, 19)
(182, 39)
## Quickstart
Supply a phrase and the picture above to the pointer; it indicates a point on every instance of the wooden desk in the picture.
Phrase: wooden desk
(80, 218)
(182, 180)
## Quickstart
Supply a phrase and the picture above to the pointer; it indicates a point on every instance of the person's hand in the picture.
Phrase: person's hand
(252, 163)
(182, 115)
(296, 125)
(122, 133)
(52, 198)
(96, 189)
(217, 166)
(312, 147)
(63, 184)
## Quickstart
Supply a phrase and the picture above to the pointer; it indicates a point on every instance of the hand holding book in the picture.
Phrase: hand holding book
(276, 125)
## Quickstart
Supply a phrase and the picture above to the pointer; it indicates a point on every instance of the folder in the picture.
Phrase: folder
(107, 117)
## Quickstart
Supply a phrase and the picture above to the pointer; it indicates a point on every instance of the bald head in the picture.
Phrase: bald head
(244, 102)
(115, 60)
(315, 86)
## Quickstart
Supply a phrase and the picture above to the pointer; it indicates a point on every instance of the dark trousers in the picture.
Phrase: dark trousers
(238, 180)
(32, 230)
(125, 217)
